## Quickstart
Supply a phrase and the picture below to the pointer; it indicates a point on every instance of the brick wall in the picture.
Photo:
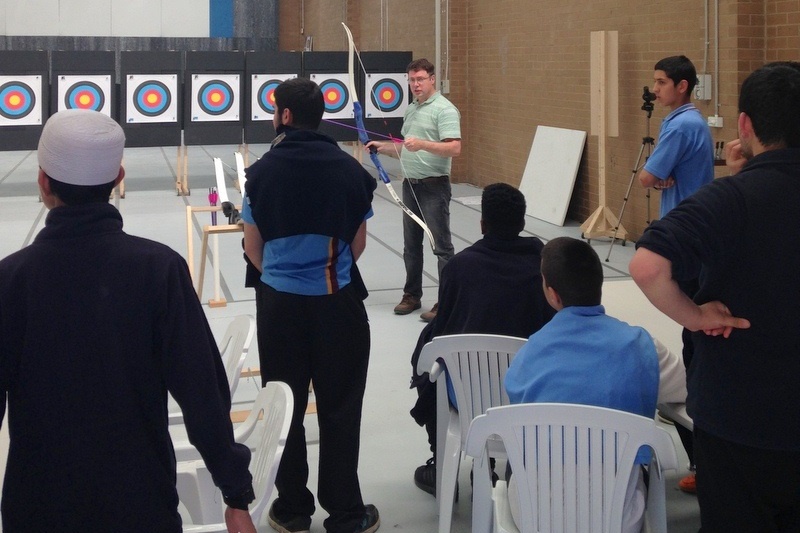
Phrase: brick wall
(516, 65)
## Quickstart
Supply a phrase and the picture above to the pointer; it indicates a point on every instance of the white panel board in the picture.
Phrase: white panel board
(136, 18)
(90, 18)
(550, 173)
(185, 18)
(20, 22)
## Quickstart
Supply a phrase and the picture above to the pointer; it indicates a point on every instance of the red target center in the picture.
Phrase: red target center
(15, 100)
(152, 98)
(84, 99)
(387, 95)
(333, 96)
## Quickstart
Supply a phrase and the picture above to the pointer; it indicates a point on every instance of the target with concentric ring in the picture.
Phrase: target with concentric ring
(335, 95)
(152, 98)
(17, 100)
(387, 95)
(266, 95)
(85, 95)
(215, 97)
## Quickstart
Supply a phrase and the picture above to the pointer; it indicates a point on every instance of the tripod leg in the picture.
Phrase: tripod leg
(625, 200)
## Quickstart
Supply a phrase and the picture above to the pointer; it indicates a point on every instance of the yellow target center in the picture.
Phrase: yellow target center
(216, 98)
(14, 100)
(331, 96)
(85, 99)
(387, 95)
(152, 98)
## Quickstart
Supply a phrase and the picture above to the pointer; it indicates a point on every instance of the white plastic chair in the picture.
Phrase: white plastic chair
(572, 464)
(477, 365)
(233, 347)
(268, 422)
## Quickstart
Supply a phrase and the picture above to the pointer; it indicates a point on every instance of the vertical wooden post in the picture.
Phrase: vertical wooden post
(605, 123)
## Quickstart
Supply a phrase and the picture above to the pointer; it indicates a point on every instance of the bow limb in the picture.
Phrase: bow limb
(358, 114)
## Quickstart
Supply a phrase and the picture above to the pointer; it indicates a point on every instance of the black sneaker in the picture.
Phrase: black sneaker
(298, 524)
(371, 521)
(425, 476)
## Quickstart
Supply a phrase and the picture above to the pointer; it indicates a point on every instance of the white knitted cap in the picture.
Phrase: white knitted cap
(81, 147)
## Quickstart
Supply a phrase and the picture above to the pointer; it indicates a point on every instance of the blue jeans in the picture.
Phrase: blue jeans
(433, 195)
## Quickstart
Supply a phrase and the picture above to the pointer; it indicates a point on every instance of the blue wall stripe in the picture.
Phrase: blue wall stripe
(220, 22)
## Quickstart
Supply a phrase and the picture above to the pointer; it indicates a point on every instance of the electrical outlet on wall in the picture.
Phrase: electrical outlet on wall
(702, 91)
(715, 121)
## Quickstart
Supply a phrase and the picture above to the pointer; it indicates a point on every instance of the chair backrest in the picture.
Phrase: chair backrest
(571, 462)
(266, 429)
(234, 346)
(270, 417)
(477, 366)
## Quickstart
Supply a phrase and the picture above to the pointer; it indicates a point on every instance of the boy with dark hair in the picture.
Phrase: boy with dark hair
(305, 226)
(584, 356)
(743, 393)
(683, 159)
(489, 287)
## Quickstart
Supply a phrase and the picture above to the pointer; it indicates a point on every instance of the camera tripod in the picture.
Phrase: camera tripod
(647, 144)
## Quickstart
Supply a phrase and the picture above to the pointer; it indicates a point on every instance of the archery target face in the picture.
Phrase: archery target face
(336, 93)
(262, 104)
(387, 95)
(20, 100)
(85, 92)
(151, 98)
(215, 97)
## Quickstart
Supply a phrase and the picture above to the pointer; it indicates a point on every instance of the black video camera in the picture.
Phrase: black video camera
(648, 98)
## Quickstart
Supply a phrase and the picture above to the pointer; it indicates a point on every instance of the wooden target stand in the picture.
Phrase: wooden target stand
(604, 123)
(213, 232)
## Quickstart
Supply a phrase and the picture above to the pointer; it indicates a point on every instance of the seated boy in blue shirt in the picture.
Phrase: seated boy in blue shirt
(584, 356)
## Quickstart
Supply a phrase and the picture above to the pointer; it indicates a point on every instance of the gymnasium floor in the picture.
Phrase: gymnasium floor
(392, 444)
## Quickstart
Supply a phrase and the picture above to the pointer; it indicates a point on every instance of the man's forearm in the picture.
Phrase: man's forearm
(653, 274)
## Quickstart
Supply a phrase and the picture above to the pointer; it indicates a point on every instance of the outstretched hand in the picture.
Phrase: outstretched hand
(716, 319)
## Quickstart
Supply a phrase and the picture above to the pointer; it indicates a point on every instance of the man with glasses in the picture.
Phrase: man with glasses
(432, 137)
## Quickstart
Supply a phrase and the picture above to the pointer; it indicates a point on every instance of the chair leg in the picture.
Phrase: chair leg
(451, 460)
(482, 495)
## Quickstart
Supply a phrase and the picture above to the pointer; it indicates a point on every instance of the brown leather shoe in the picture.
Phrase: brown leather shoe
(427, 316)
(407, 304)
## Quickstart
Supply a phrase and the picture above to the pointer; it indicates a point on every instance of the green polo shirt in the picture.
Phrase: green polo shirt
(434, 120)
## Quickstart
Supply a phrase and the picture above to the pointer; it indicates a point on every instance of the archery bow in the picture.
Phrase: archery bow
(358, 113)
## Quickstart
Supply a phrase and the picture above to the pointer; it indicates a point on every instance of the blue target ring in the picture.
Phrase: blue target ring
(387, 95)
(85, 95)
(152, 98)
(16, 100)
(266, 96)
(215, 97)
(335, 95)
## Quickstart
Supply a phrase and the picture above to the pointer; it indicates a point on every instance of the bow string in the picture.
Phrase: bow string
(363, 137)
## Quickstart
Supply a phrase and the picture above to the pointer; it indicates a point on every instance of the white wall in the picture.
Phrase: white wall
(105, 18)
